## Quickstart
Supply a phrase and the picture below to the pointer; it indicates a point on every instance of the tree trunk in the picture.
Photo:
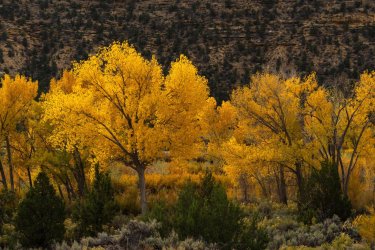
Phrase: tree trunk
(20, 183)
(244, 186)
(68, 191)
(3, 178)
(79, 172)
(142, 188)
(29, 176)
(346, 187)
(10, 163)
(299, 177)
(60, 192)
(264, 191)
(69, 188)
(263, 187)
(282, 186)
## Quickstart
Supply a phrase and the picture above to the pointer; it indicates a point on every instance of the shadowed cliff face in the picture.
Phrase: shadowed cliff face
(228, 40)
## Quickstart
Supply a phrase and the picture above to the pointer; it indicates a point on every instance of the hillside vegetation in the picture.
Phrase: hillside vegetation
(228, 40)
(119, 154)
(189, 125)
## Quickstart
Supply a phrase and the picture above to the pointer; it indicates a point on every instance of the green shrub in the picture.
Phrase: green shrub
(97, 208)
(70, 230)
(8, 206)
(41, 215)
(9, 237)
(163, 213)
(251, 236)
(203, 211)
(321, 197)
(8, 201)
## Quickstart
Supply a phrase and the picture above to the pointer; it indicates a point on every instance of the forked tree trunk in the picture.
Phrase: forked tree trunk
(3, 178)
(142, 188)
(10, 163)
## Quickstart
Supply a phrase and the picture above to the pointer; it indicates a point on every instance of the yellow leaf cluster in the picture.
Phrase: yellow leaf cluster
(121, 106)
(16, 97)
(366, 226)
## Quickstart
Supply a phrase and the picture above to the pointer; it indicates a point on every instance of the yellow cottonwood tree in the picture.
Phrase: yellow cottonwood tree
(25, 142)
(226, 153)
(16, 96)
(221, 123)
(271, 115)
(122, 107)
(69, 145)
(247, 164)
(343, 127)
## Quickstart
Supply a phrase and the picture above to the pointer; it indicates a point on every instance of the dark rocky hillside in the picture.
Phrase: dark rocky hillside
(228, 40)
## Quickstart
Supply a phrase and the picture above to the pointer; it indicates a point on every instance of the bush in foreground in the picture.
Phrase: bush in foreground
(203, 211)
(137, 235)
(41, 215)
(8, 201)
(322, 196)
(97, 208)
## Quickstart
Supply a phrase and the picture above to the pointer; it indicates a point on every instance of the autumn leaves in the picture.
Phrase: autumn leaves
(16, 97)
(119, 107)
(286, 127)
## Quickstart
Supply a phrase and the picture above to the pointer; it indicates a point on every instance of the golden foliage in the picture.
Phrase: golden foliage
(124, 98)
(120, 107)
(16, 97)
(366, 226)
